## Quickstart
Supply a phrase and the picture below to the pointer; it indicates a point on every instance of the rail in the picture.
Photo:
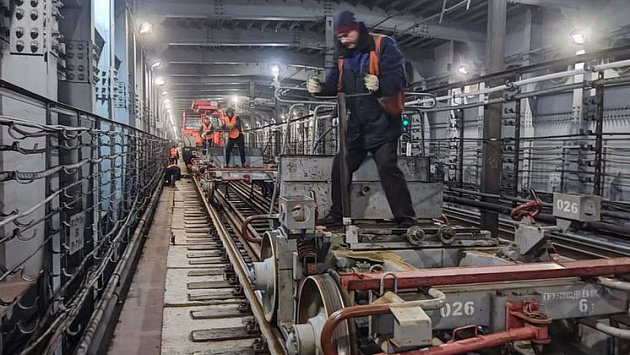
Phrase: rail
(240, 267)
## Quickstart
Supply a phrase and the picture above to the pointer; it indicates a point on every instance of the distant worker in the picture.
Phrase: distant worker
(235, 136)
(174, 155)
(369, 64)
(198, 140)
(171, 174)
(216, 134)
(206, 133)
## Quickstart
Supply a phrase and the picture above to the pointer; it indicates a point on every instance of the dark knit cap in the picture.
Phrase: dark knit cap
(345, 21)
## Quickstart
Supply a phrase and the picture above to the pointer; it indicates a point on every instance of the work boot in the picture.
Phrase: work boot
(405, 223)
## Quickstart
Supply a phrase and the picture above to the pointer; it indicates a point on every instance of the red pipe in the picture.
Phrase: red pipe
(248, 221)
(531, 209)
(486, 274)
(328, 346)
(479, 342)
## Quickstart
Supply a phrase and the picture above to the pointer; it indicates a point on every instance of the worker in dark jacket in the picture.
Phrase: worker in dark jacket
(235, 136)
(374, 122)
(171, 173)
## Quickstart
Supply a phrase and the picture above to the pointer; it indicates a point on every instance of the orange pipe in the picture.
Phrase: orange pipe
(248, 221)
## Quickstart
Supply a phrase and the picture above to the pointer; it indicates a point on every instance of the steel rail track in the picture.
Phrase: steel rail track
(226, 224)
(238, 205)
(218, 317)
(564, 244)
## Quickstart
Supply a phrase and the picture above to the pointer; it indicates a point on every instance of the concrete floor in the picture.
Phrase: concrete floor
(139, 329)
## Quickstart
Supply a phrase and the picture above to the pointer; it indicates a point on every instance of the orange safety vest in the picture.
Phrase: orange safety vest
(206, 126)
(234, 131)
(217, 140)
(392, 105)
(173, 153)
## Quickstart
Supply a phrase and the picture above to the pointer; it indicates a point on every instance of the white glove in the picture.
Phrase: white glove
(371, 82)
(314, 86)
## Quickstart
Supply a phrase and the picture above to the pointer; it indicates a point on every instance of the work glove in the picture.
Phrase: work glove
(313, 85)
(371, 82)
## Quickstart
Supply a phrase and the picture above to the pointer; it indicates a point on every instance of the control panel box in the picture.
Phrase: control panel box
(581, 208)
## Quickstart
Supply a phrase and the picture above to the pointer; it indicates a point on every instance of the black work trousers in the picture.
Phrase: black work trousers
(240, 141)
(392, 179)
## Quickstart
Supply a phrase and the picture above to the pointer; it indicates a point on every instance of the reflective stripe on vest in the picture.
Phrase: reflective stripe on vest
(234, 132)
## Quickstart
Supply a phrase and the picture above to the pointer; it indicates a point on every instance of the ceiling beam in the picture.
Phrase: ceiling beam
(305, 10)
(570, 4)
(264, 81)
(235, 71)
(174, 35)
(282, 56)
(183, 103)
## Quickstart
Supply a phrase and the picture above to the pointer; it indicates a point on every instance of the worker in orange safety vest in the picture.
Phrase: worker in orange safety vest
(206, 133)
(174, 155)
(235, 136)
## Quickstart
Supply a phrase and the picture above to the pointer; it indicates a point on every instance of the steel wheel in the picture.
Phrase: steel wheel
(318, 298)
(270, 294)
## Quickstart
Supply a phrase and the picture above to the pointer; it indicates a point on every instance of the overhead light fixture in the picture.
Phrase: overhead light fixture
(235, 99)
(578, 37)
(164, 93)
(159, 81)
(145, 28)
(580, 52)
(166, 101)
(275, 70)
(156, 64)
(463, 70)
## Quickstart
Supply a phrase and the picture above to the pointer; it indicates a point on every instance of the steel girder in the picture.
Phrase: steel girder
(207, 55)
(235, 71)
(306, 10)
(237, 37)
(569, 4)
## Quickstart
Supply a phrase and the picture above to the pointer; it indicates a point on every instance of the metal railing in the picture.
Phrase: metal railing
(77, 191)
